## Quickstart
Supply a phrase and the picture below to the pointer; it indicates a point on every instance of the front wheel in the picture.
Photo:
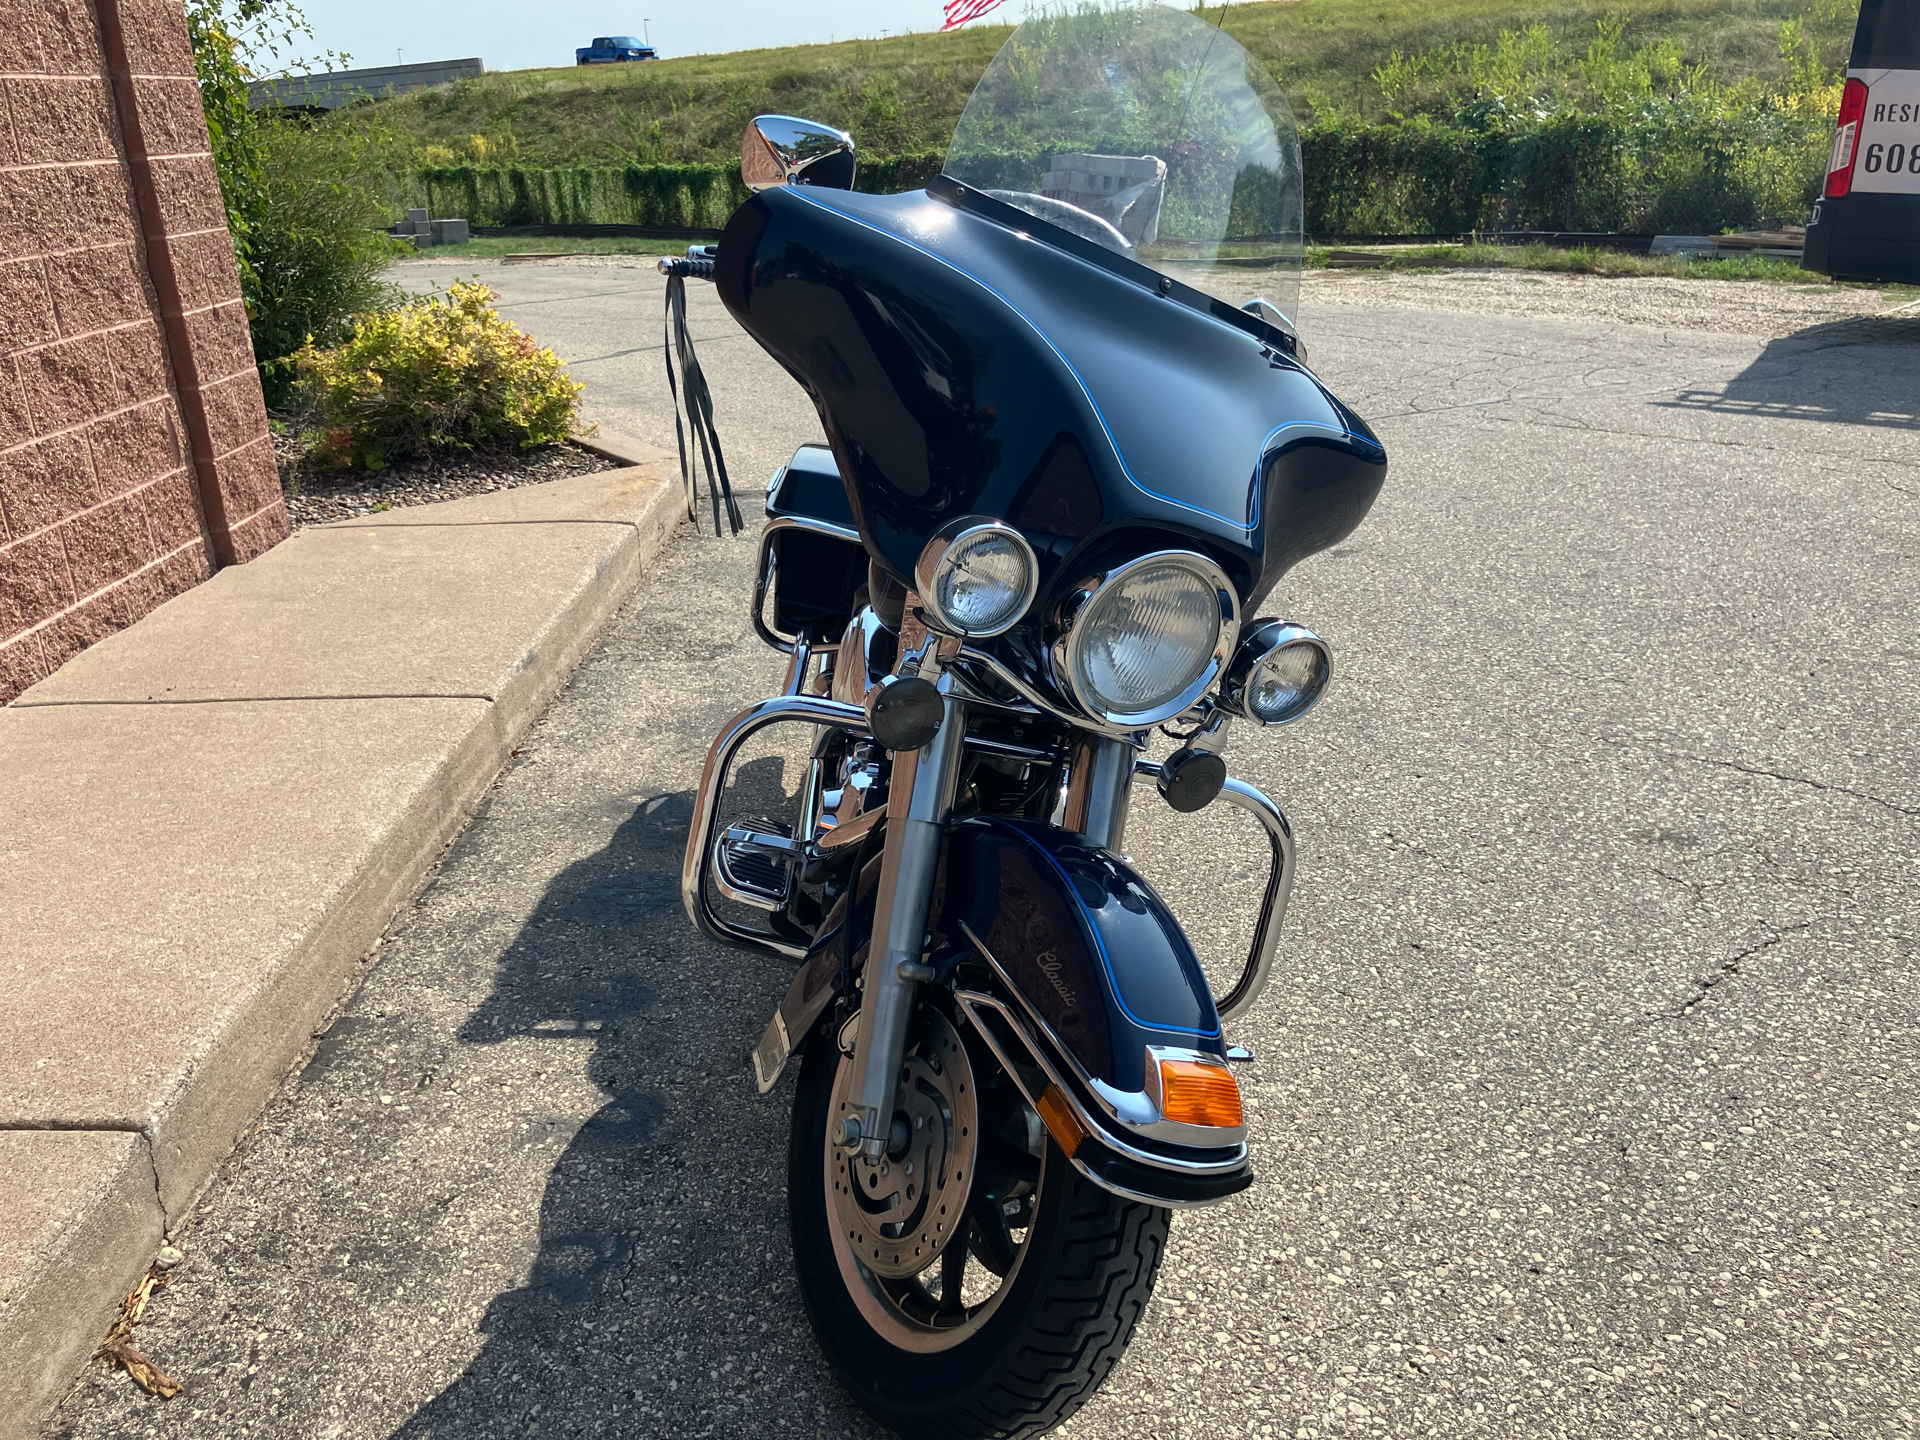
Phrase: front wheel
(973, 1283)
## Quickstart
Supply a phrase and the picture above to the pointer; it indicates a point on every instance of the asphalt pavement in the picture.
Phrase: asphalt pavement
(1587, 1094)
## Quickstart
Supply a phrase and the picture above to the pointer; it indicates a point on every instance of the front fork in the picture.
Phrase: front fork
(920, 797)
(919, 800)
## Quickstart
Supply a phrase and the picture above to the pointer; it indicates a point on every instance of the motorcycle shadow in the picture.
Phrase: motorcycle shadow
(662, 1299)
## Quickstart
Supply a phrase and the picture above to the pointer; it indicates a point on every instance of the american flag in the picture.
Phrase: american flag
(959, 12)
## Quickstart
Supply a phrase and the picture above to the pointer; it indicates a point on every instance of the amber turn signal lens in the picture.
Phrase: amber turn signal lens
(1061, 1122)
(1196, 1094)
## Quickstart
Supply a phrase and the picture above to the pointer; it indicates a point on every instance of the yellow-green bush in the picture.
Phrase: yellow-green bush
(444, 372)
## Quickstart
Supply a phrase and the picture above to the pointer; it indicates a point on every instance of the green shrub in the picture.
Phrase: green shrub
(443, 372)
(302, 200)
(318, 255)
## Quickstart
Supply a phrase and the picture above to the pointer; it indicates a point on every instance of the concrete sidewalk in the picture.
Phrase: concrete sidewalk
(207, 820)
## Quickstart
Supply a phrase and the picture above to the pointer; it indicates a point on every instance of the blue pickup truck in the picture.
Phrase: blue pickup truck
(612, 50)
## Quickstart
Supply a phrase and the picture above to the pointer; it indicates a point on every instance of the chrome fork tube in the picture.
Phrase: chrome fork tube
(919, 798)
(1100, 781)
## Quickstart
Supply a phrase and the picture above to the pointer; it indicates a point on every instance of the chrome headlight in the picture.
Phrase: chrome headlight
(1278, 673)
(1146, 639)
(976, 577)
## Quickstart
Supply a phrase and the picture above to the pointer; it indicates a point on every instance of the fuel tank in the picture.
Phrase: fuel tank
(967, 358)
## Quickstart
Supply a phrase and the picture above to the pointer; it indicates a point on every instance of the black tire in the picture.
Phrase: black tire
(1075, 1299)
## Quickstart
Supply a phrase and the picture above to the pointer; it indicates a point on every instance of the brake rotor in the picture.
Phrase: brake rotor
(899, 1213)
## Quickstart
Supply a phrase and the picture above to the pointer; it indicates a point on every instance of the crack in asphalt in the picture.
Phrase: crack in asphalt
(1761, 772)
(1707, 984)
(1551, 420)
(1796, 780)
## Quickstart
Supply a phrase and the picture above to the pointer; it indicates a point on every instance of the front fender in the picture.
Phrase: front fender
(1090, 947)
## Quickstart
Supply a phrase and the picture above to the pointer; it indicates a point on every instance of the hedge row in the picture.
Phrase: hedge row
(1669, 172)
(699, 196)
(1672, 171)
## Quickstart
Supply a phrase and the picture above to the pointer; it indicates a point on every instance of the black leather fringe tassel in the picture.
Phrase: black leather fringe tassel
(690, 393)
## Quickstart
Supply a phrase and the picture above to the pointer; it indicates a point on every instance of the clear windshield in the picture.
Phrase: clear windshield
(1151, 132)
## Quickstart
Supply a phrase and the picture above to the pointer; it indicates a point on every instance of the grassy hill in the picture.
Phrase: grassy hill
(902, 95)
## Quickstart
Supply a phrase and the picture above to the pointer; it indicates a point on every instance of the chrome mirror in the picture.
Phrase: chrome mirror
(785, 150)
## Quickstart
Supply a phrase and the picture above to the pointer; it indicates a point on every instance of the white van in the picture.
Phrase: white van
(1866, 226)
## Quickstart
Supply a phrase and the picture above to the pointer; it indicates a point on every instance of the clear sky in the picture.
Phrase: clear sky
(518, 34)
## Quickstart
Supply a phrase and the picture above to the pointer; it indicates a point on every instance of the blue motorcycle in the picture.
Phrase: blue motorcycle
(1060, 477)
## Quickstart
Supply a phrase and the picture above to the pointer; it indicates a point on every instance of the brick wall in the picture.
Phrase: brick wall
(134, 455)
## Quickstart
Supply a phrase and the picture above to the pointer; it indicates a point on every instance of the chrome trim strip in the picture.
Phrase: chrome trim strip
(764, 573)
(1273, 908)
(969, 999)
(1104, 1093)
(1037, 704)
(801, 709)
(1011, 749)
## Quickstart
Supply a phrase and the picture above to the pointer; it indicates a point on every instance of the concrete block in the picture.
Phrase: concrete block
(1699, 247)
(188, 890)
(83, 1224)
(204, 267)
(61, 120)
(188, 188)
(236, 411)
(451, 232)
(35, 583)
(107, 542)
(133, 446)
(417, 217)
(482, 597)
(248, 479)
(95, 288)
(42, 484)
(140, 367)
(26, 306)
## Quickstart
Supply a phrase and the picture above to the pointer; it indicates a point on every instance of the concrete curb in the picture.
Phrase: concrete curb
(207, 821)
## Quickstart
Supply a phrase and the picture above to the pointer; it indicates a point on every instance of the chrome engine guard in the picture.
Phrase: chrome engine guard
(817, 710)
(696, 869)
(1273, 908)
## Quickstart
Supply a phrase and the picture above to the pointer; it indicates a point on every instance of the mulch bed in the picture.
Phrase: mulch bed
(317, 497)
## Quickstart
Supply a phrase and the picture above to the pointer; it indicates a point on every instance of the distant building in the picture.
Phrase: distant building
(1123, 190)
(342, 87)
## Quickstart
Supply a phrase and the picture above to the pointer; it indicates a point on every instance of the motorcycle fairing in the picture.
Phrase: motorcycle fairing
(962, 366)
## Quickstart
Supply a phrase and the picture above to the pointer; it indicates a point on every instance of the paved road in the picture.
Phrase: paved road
(1588, 1100)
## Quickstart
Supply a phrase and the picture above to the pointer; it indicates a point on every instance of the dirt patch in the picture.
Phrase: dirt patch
(318, 497)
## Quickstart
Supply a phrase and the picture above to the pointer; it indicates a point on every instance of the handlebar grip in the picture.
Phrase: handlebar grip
(698, 269)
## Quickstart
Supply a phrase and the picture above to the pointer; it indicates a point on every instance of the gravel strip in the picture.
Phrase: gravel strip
(1736, 307)
(1732, 307)
(317, 497)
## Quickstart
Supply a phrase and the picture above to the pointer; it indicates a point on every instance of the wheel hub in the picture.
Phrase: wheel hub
(898, 1213)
